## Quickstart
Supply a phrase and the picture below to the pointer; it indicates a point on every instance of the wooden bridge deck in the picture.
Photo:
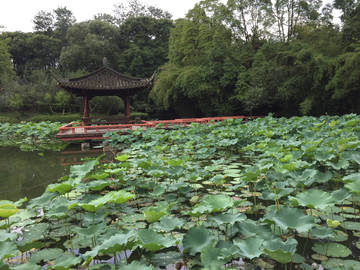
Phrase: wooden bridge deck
(79, 131)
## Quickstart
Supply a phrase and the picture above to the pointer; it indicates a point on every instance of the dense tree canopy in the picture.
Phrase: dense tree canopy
(223, 58)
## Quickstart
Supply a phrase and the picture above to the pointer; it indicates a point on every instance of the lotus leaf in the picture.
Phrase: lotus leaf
(138, 266)
(152, 241)
(26, 266)
(279, 250)
(99, 184)
(65, 263)
(197, 238)
(154, 213)
(199, 210)
(337, 264)
(45, 255)
(251, 247)
(322, 232)
(168, 223)
(218, 202)
(5, 236)
(353, 187)
(293, 218)
(227, 218)
(333, 249)
(341, 194)
(116, 243)
(251, 228)
(82, 170)
(8, 250)
(314, 198)
(120, 196)
(7, 210)
(351, 225)
(209, 257)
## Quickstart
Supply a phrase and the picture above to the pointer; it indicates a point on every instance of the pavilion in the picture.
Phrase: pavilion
(104, 82)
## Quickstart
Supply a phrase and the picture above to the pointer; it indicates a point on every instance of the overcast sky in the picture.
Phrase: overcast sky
(17, 15)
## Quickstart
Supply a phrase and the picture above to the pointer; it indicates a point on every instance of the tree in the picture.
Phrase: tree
(64, 19)
(136, 8)
(6, 71)
(44, 22)
(89, 43)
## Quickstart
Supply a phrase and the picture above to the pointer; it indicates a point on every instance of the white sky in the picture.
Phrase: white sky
(17, 15)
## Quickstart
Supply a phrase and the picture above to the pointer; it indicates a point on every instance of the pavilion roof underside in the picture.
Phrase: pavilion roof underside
(104, 79)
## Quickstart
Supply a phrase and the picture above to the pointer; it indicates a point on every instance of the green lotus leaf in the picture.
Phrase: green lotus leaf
(353, 187)
(152, 241)
(314, 198)
(351, 177)
(251, 228)
(168, 223)
(250, 248)
(227, 218)
(122, 158)
(5, 236)
(89, 231)
(218, 202)
(333, 249)
(82, 170)
(175, 163)
(120, 196)
(154, 213)
(337, 264)
(7, 210)
(323, 155)
(199, 210)
(341, 194)
(8, 250)
(342, 164)
(98, 176)
(351, 225)
(138, 266)
(197, 238)
(47, 255)
(251, 174)
(323, 177)
(279, 250)
(34, 232)
(44, 199)
(25, 266)
(93, 205)
(62, 188)
(65, 263)
(58, 212)
(98, 185)
(116, 243)
(293, 218)
(209, 257)
(322, 232)
(158, 191)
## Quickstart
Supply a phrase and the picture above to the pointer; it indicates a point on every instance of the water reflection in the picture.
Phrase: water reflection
(27, 174)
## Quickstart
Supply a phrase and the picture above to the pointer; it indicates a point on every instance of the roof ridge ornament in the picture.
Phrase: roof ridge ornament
(104, 61)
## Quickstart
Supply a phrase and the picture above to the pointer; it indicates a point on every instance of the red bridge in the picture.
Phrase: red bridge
(96, 130)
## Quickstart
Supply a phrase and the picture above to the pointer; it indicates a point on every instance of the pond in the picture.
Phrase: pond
(27, 174)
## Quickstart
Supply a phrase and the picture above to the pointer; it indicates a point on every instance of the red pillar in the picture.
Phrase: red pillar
(127, 106)
(86, 107)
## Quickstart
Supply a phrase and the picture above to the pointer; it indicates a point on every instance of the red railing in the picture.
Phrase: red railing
(93, 131)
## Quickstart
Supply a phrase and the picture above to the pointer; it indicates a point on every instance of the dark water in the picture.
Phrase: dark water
(27, 174)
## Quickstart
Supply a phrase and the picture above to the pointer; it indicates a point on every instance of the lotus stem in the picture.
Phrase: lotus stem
(306, 242)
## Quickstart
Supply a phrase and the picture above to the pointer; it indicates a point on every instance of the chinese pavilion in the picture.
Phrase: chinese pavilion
(104, 82)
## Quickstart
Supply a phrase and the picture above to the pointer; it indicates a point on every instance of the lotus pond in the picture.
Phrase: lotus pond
(271, 194)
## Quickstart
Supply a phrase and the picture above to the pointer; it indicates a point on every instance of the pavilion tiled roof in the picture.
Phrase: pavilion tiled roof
(104, 79)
